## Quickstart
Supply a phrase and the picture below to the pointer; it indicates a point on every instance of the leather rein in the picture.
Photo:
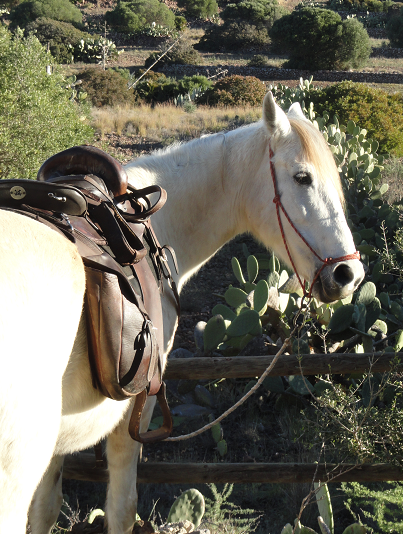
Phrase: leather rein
(280, 208)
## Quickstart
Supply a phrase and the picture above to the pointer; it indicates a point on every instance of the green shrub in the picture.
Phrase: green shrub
(394, 30)
(199, 8)
(180, 23)
(37, 119)
(130, 17)
(182, 53)
(258, 60)
(374, 6)
(379, 113)
(355, 47)
(106, 88)
(263, 12)
(156, 87)
(234, 91)
(61, 10)
(61, 36)
(246, 25)
(318, 39)
(233, 35)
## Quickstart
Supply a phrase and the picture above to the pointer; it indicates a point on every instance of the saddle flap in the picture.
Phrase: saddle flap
(123, 366)
(42, 195)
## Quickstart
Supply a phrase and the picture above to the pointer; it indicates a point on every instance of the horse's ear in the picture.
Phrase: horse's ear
(295, 112)
(274, 117)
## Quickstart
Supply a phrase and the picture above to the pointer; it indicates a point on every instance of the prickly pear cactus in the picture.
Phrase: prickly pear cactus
(287, 529)
(190, 505)
(356, 528)
(324, 504)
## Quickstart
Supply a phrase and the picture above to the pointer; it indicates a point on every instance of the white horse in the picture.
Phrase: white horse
(218, 186)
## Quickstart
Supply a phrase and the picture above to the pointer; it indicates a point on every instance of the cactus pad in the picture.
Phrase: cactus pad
(356, 528)
(190, 505)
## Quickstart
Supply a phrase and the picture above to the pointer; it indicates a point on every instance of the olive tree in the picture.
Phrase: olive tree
(37, 117)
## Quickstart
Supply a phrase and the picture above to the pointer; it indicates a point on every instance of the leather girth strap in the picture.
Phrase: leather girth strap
(84, 194)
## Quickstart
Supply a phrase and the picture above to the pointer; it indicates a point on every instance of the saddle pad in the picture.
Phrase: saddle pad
(42, 195)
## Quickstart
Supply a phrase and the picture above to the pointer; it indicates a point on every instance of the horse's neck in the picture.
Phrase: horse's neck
(206, 181)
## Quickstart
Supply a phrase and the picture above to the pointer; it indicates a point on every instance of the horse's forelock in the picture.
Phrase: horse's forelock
(317, 152)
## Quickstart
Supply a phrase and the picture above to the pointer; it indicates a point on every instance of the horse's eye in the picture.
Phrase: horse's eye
(303, 178)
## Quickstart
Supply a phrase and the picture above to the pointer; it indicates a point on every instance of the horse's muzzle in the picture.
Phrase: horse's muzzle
(338, 280)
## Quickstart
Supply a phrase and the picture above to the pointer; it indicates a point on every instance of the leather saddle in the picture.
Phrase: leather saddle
(84, 193)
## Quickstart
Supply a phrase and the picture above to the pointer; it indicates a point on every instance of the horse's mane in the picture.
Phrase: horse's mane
(317, 151)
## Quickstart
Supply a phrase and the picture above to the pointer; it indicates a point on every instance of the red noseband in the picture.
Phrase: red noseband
(279, 206)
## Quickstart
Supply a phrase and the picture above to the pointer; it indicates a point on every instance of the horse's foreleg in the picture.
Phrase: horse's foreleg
(45, 506)
(123, 453)
(26, 446)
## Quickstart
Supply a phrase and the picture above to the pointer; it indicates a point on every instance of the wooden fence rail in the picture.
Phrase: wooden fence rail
(250, 366)
(82, 466)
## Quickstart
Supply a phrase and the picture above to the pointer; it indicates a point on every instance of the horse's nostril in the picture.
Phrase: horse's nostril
(343, 274)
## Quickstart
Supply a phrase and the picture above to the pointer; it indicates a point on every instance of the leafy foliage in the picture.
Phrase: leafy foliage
(61, 10)
(199, 8)
(235, 90)
(375, 110)
(233, 35)
(394, 29)
(354, 48)
(106, 87)
(61, 36)
(376, 505)
(263, 12)
(129, 17)
(155, 87)
(258, 60)
(317, 39)
(360, 5)
(31, 102)
(246, 24)
(221, 511)
(182, 53)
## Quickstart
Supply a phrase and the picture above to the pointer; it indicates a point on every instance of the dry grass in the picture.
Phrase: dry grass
(167, 122)
(384, 64)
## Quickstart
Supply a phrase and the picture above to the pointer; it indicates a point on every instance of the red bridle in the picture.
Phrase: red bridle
(326, 261)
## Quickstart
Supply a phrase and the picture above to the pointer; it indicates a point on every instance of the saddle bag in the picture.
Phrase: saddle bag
(109, 223)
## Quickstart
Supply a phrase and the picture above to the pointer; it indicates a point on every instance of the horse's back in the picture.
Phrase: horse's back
(42, 285)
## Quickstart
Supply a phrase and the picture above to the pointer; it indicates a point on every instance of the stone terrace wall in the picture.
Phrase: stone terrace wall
(276, 74)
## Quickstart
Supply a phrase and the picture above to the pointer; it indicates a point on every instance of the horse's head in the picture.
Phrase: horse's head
(308, 204)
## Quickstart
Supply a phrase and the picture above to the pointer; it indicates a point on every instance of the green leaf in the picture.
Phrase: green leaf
(243, 324)
(366, 294)
(350, 127)
(300, 384)
(341, 319)
(260, 297)
(222, 309)
(273, 279)
(253, 268)
(324, 504)
(235, 296)
(373, 313)
(214, 332)
(222, 448)
(274, 384)
(398, 341)
(236, 267)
